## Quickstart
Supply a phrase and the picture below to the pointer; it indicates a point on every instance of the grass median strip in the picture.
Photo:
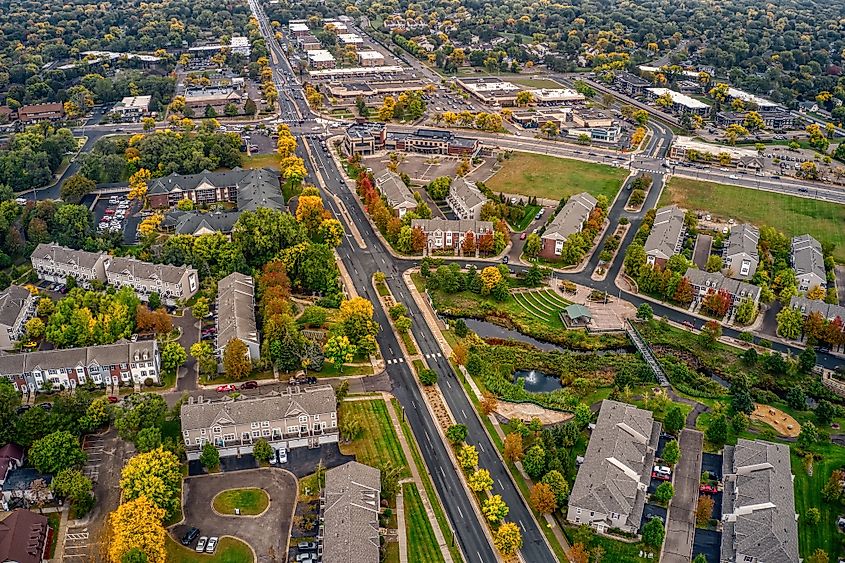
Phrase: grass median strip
(422, 545)
(378, 442)
(250, 501)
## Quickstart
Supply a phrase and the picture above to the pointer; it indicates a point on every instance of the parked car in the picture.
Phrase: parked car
(190, 536)
(306, 558)
(283, 455)
(708, 488)
(22, 409)
(505, 260)
(661, 472)
(201, 544)
(249, 385)
(307, 546)
(226, 388)
(522, 236)
(211, 545)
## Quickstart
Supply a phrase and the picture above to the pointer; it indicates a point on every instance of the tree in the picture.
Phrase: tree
(513, 447)
(75, 188)
(490, 277)
(71, 484)
(809, 435)
(457, 433)
(508, 539)
(201, 308)
(138, 184)
(825, 411)
(813, 516)
(356, 320)
(339, 351)
(428, 376)
(236, 361)
(439, 187)
(262, 450)
(204, 354)
(704, 510)
(145, 410)
(746, 312)
(351, 428)
(832, 490)
(543, 499)
(710, 334)
(34, 328)
(210, 456)
(790, 322)
(488, 400)
(558, 485)
(818, 556)
(480, 481)
(645, 312)
(468, 456)
(535, 461)
(148, 439)
(494, 508)
(653, 533)
(796, 399)
(137, 525)
(807, 359)
(533, 245)
(717, 432)
(55, 452)
(671, 452)
(172, 356)
(155, 475)
(583, 415)
(664, 492)
(403, 324)
(674, 420)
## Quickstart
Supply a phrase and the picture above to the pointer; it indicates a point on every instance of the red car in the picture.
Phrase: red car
(112, 399)
(708, 489)
(522, 236)
(226, 388)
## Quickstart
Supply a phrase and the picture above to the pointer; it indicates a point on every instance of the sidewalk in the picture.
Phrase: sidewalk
(415, 475)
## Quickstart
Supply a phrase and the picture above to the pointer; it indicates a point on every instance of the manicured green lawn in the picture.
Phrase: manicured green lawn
(530, 213)
(808, 489)
(530, 82)
(422, 545)
(261, 161)
(378, 442)
(553, 178)
(251, 501)
(229, 550)
(792, 215)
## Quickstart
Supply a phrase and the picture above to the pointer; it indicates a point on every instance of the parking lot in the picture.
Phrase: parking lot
(116, 213)
(266, 533)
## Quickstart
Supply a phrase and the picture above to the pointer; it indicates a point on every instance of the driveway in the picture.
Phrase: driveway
(269, 530)
(680, 528)
(187, 380)
(707, 542)
(301, 461)
(712, 463)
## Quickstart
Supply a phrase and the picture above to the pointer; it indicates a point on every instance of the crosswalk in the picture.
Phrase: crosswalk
(402, 360)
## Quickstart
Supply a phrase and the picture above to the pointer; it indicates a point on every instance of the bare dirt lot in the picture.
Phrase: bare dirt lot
(784, 424)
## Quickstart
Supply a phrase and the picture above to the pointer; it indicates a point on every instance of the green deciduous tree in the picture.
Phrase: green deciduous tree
(210, 456)
(56, 452)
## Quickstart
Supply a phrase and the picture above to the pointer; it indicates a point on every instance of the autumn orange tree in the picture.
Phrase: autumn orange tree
(137, 524)
(543, 498)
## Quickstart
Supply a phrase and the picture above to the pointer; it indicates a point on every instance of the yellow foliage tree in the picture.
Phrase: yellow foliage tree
(310, 212)
(293, 169)
(149, 225)
(508, 538)
(816, 292)
(138, 184)
(155, 475)
(137, 524)
(286, 145)
(490, 277)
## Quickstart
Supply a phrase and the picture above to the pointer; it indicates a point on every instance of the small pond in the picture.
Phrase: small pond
(537, 381)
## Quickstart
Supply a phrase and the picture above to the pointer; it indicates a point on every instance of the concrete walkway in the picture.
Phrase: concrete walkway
(417, 480)
(400, 518)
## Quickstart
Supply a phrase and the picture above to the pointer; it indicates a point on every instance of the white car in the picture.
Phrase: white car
(662, 470)
(211, 545)
(201, 544)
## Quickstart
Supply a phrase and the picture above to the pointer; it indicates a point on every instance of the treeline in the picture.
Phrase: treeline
(31, 157)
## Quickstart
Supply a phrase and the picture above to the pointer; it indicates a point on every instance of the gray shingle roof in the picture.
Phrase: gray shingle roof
(191, 222)
(311, 400)
(12, 301)
(743, 240)
(64, 255)
(147, 270)
(666, 232)
(571, 217)
(121, 352)
(807, 257)
(758, 503)
(808, 306)
(717, 281)
(617, 466)
(255, 188)
(398, 195)
(462, 225)
(236, 309)
(467, 192)
(350, 516)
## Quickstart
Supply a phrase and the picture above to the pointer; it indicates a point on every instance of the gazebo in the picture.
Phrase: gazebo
(576, 315)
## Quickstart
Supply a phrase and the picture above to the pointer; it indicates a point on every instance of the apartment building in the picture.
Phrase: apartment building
(123, 363)
(465, 199)
(759, 522)
(631, 84)
(432, 141)
(236, 314)
(741, 255)
(172, 283)
(249, 189)
(774, 120)
(55, 264)
(320, 59)
(297, 417)
(568, 221)
(37, 113)
(611, 486)
(704, 283)
(808, 263)
(808, 306)
(681, 103)
(667, 235)
(349, 509)
(448, 234)
(17, 305)
(398, 196)
(370, 58)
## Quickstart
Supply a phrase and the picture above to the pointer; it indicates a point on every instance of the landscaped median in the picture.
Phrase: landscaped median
(241, 502)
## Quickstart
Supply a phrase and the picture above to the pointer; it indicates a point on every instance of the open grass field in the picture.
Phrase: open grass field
(792, 215)
(530, 213)
(378, 442)
(229, 550)
(250, 501)
(422, 545)
(261, 161)
(531, 82)
(808, 489)
(553, 178)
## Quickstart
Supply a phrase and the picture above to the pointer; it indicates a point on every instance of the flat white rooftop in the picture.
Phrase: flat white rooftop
(320, 56)
(678, 98)
(751, 98)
